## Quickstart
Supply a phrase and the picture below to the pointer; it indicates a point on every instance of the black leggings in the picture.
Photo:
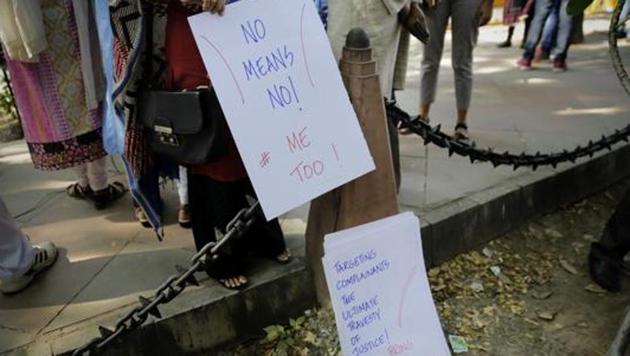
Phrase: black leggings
(213, 204)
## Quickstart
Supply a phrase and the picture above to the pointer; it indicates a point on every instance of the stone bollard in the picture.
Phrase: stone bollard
(372, 196)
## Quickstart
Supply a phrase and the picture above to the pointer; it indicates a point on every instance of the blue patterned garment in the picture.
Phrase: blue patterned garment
(113, 125)
(322, 7)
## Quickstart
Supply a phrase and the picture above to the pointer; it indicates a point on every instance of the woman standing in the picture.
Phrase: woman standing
(466, 17)
(512, 12)
(218, 190)
(53, 60)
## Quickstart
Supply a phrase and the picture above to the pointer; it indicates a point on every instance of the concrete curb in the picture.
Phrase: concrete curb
(464, 224)
(201, 320)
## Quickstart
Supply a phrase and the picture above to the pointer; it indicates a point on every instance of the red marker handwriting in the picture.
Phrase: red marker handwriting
(298, 141)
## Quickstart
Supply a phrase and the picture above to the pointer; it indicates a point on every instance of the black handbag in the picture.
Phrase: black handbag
(189, 126)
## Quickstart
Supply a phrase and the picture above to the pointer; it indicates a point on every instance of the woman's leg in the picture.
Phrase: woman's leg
(183, 214)
(212, 205)
(437, 19)
(264, 236)
(508, 41)
(16, 253)
(550, 31)
(559, 52)
(201, 209)
(543, 7)
(182, 186)
(97, 174)
(465, 32)
(528, 22)
(82, 176)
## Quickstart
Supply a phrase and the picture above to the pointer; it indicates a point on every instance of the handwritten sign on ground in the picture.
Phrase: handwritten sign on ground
(280, 89)
(380, 291)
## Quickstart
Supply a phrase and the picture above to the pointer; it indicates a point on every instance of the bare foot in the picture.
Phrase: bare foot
(284, 257)
(234, 282)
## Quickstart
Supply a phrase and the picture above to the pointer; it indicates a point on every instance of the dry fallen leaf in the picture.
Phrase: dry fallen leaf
(476, 286)
(541, 294)
(594, 288)
(553, 233)
(568, 267)
(547, 315)
(310, 338)
(577, 246)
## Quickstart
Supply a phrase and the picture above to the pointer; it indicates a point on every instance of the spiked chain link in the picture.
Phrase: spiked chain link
(172, 287)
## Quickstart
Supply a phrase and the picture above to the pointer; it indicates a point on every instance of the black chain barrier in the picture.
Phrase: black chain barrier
(172, 287)
(435, 136)
(185, 277)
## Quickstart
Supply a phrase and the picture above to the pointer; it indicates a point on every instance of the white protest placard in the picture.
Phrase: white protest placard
(272, 67)
(380, 291)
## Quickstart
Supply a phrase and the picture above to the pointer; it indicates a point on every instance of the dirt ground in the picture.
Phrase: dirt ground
(539, 301)
(543, 301)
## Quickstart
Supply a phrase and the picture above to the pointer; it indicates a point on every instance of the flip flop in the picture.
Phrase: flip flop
(142, 217)
(75, 190)
(461, 132)
(224, 272)
(103, 198)
(284, 257)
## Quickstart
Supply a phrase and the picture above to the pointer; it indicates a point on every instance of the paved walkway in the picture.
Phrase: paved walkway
(107, 259)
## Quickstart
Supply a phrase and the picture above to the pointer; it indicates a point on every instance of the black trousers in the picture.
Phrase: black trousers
(616, 237)
(213, 204)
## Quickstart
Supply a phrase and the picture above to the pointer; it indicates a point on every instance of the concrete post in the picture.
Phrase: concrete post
(372, 196)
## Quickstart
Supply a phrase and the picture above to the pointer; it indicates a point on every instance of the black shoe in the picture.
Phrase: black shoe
(505, 44)
(604, 269)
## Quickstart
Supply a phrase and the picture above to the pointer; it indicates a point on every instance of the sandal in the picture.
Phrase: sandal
(104, 197)
(75, 190)
(225, 273)
(284, 257)
(461, 132)
(183, 217)
(142, 217)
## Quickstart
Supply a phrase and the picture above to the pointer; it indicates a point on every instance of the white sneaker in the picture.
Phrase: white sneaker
(45, 256)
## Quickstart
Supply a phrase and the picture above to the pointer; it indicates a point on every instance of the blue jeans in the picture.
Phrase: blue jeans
(543, 8)
(625, 11)
(550, 31)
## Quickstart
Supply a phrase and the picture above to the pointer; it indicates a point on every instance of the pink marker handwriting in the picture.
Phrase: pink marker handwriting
(401, 348)
(298, 141)
(265, 159)
(306, 171)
